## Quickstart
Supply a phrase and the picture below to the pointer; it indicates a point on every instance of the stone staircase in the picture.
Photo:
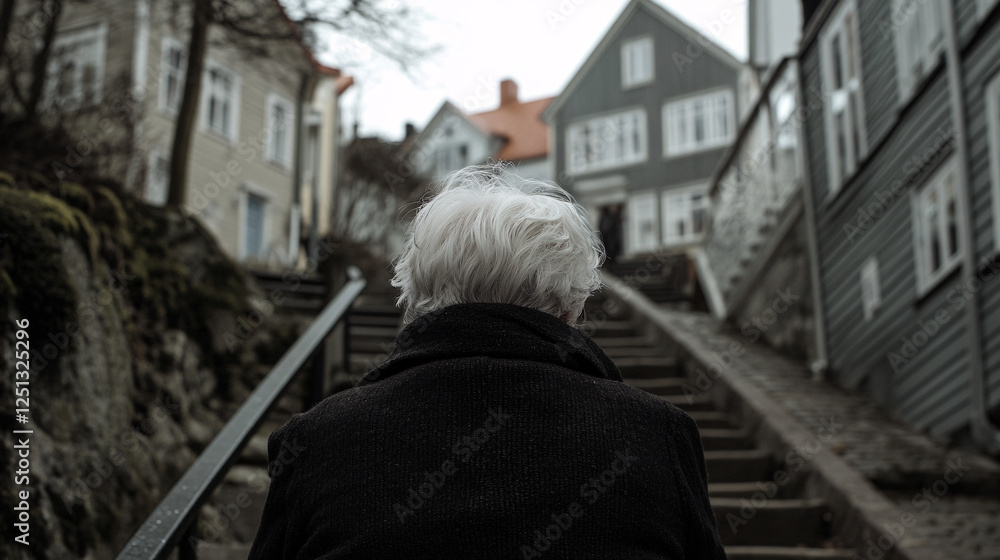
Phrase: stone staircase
(758, 518)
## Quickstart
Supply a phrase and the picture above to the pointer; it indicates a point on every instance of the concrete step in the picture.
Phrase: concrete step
(371, 308)
(659, 385)
(610, 328)
(374, 331)
(690, 404)
(771, 522)
(373, 320)
(710, 420)
(722, 439)
(747, 490)
(636, 351)
(787, 553)
(215, 551)
(646, 366)
(368, 345)
(744, 465)
(606, 342)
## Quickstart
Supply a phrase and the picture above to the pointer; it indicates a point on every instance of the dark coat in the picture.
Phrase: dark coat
(492, 431)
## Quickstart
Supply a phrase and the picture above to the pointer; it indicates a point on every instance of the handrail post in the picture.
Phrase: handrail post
(187, 548)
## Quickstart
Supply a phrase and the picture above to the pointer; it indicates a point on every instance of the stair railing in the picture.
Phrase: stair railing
(172, 523)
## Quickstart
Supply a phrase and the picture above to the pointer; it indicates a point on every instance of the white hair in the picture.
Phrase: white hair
(489, 236)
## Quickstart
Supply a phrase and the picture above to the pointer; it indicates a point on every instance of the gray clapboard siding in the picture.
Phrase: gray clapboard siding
(878, 67)
(966, 18)
(981, 63)
(601, 91)
(930, 390)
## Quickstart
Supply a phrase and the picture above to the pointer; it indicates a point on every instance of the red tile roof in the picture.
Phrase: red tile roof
(521, 125)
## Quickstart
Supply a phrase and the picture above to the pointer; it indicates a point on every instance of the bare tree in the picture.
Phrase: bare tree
(377, 180)
(380, 23)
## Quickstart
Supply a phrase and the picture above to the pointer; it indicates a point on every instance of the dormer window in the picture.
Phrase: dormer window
(637, 62)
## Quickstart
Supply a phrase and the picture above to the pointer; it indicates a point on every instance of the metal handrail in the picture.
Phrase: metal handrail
(168, 523)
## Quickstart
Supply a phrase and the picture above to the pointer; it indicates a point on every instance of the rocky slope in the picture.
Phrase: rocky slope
(135, 358)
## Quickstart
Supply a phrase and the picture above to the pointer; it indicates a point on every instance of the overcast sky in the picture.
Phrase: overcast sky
(538, 43)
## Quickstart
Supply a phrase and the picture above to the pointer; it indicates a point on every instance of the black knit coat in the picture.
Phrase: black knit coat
(491, 431)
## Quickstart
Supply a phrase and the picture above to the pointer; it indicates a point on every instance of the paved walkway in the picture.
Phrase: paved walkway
(961, 516)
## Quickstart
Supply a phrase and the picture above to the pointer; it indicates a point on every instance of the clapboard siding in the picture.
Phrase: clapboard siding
(878, 68)
(981, 63)
(601, 92)
(966, 19)
(931, 389)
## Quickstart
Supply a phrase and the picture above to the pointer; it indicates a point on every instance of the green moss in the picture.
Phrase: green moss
(75, 195)
(31, 257)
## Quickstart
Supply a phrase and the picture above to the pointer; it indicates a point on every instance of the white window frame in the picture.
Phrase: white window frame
(599, 139)
(94, 31)
(992, 94)
(233, 134)
(241, 229)
(154, 157)
(280, 155)
(926, 278)
(666, 233)
(167, 44)
(720, 127)
(643, 48)
(850, 96)
(643, 200)
(871, 288)
(920, 21)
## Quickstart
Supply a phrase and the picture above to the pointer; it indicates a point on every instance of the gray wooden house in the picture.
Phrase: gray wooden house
(642, 125)
(901, 109)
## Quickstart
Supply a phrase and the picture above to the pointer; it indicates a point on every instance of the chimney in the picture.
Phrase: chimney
(508, 92)
(411, 129)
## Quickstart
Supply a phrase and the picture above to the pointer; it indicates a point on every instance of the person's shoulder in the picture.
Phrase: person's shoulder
(338, 411)
(645, 403)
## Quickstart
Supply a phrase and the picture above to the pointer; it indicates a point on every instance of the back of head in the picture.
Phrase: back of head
(492, 237)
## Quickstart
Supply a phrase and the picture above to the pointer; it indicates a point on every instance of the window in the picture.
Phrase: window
(637, 62)
(843, 110)
(992, 94)
(698, 123)
(76, 68)
(608, 141)
(220, 105)
(936, 216)
(157, 180)
(871, 288)
(919, 40)
(173, 64)
(641, 219)
(253, 231)
(684, 216)
(280, 131)
(450, 158)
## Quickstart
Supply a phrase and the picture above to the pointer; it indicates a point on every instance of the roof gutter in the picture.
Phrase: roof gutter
(982, 430)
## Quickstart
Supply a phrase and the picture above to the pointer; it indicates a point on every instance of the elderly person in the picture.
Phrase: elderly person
(495, 428)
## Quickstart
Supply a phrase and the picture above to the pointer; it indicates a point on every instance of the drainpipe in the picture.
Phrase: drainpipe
(821, 364)
(295, 221)
(982, 430)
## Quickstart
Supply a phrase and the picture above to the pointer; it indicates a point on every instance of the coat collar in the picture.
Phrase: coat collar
(499, 330)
